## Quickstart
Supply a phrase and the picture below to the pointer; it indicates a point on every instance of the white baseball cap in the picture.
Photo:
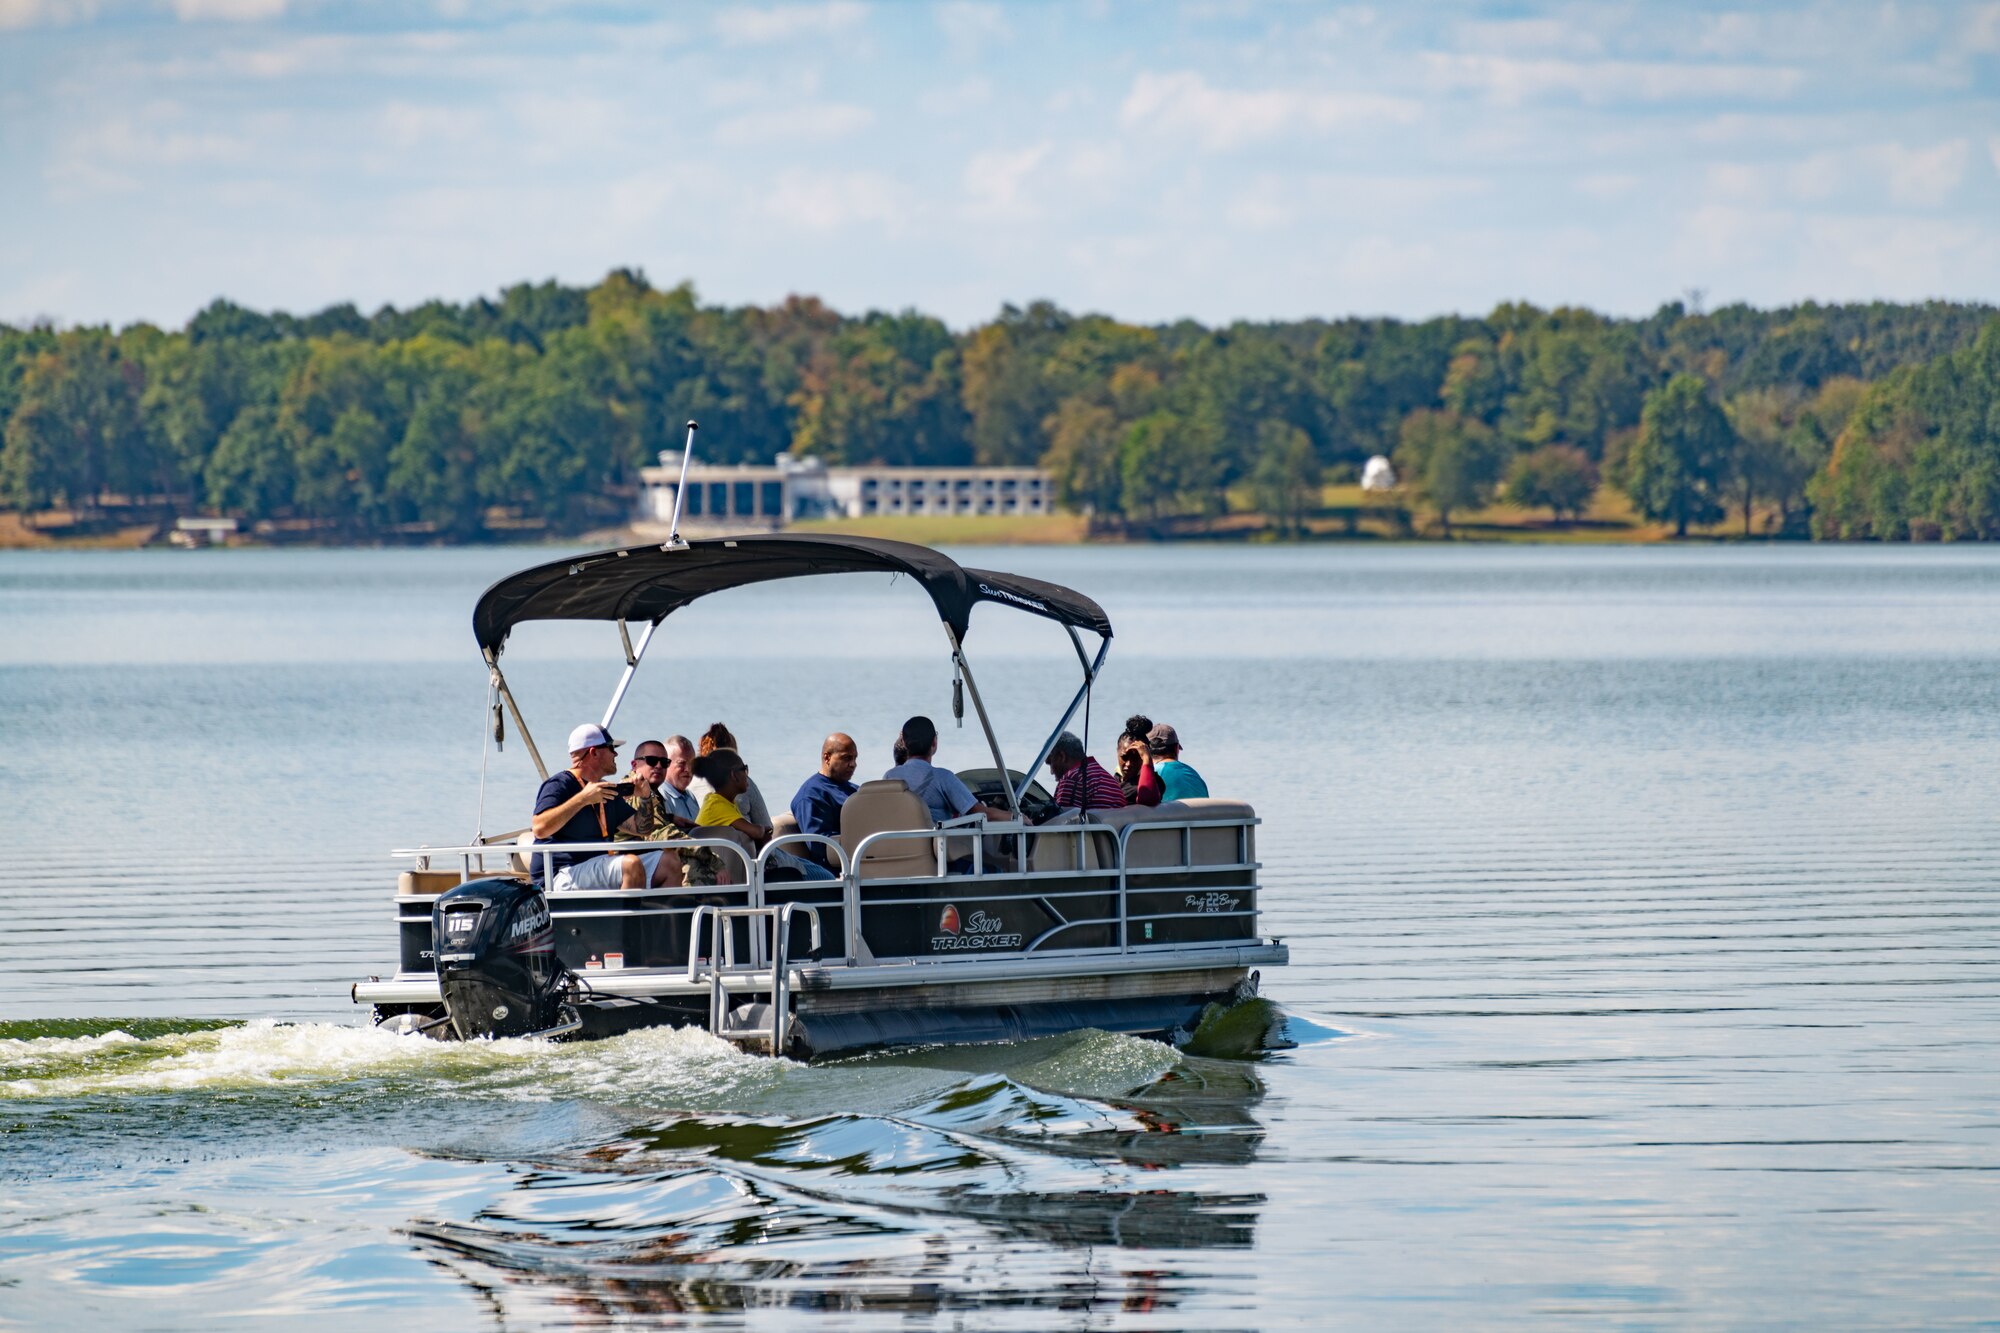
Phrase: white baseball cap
(590, 734)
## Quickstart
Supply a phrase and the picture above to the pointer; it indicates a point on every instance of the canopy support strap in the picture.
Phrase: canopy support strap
(485, 735)
(979, 707)
(520, 725)
(632, 656)
(1090, 670)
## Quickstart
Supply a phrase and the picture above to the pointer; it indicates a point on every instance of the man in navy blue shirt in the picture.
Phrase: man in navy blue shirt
(817, 806)
(578, 805)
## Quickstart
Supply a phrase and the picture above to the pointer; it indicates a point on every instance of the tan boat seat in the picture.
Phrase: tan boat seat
(1153, 848)
(879, 806)
(783, 823)
(1058, 851)
(427, 881)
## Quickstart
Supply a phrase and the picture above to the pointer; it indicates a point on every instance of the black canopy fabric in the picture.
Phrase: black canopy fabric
(639, 583)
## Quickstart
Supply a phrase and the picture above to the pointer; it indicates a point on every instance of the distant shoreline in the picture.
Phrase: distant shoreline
(1347, 516)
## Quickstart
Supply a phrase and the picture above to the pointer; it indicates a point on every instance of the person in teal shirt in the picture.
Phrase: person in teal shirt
(1180, 781)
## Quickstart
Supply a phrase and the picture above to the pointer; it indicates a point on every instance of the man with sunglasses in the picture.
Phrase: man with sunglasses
(580, 805)
(655, 765)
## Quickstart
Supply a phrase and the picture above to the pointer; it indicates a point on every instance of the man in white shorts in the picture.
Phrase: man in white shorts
(578, 805)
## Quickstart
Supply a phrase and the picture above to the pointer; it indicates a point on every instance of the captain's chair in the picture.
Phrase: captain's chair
(887, 803)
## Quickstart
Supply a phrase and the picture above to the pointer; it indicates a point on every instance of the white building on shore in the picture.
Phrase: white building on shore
(750, 497)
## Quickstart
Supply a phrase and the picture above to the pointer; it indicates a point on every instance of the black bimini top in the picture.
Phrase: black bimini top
(650, 582)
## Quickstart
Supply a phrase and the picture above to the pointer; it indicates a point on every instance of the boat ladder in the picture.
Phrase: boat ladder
(729, 979)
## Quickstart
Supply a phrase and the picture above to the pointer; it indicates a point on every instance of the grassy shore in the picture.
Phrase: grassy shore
(1346, 513)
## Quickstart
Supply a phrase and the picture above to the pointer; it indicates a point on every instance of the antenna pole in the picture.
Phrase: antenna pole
(674, 540)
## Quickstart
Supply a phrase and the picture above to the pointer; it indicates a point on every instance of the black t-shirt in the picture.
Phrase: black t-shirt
(583, 826)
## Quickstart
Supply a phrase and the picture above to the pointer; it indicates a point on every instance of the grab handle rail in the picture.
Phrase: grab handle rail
(422, 855)
(722, 963)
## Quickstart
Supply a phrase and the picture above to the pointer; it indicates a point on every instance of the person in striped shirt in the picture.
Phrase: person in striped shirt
(1081, 782)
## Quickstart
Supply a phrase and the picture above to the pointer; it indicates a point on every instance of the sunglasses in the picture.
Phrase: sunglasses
(652, 760)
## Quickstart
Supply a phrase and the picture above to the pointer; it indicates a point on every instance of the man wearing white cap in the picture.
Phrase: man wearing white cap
(577, 805)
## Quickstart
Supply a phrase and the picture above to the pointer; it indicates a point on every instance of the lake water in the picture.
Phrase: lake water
(1642, 907)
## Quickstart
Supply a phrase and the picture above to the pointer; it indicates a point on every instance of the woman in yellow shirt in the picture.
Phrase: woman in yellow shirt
(729, 777)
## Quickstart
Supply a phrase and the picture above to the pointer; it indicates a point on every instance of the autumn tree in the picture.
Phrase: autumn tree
(1557, 477)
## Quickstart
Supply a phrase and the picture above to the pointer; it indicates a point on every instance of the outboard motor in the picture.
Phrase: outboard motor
(496, 961)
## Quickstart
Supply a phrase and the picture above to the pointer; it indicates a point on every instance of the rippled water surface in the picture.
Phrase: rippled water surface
(1646, 958)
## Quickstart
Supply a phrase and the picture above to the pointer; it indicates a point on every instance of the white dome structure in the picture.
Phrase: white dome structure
(1378, 475)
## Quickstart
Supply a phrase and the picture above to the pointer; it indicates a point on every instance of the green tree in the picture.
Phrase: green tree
(1287, 479)
(1557, 477)
(250, 474)
(1678, 466)
(76, 431)
(1167, 463)
(883, 391)
(1083, 458)
(1453, 462)
(432, 466)
(1008, 391)
(1920, 455)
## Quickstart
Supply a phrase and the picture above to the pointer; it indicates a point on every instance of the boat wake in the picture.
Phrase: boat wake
(662, 1171)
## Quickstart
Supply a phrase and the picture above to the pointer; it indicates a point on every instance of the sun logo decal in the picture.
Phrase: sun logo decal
(948, 919)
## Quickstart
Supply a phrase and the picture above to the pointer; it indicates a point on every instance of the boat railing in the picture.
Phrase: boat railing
(982, 881)
(785, 840)
(1009, 863)
(1186, 829)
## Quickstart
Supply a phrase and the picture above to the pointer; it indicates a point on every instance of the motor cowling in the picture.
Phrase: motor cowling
(495, 947)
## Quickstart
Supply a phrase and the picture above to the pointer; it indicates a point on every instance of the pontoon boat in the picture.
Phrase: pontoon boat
(1132, 920)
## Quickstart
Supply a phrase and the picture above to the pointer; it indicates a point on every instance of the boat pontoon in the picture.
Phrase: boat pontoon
(1131, 920)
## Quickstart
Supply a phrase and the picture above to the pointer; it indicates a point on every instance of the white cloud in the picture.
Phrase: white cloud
(1863, 175)
(76, 179)
(826, 200)
(559, 128)
(1982, 29)
(227, 11)
(406, 125)
(1819, 176)
(146, 141)
(957, 97)
(971, 28)
(1539, 35)
(995, 181)
(1511, 80)
(1261, 207)
(748, 26)
(37, 13)
(1184, 104)
(811, 123)
(1926, 176)
(1741, 181)
(1609, 185)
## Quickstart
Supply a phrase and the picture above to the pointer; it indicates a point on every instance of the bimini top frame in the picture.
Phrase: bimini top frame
(649, 583)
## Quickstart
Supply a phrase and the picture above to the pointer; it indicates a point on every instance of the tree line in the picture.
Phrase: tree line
(1845, 421)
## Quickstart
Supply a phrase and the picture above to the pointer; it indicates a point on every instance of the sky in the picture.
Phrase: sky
(1152, 161)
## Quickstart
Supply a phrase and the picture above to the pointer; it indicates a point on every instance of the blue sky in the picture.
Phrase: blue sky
(1152, 161)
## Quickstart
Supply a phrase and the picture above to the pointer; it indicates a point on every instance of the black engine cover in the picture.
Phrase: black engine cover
(496, 959)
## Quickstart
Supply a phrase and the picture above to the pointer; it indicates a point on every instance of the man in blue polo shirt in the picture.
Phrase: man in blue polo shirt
(578, 805)
(940, 788)
(817, 805)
